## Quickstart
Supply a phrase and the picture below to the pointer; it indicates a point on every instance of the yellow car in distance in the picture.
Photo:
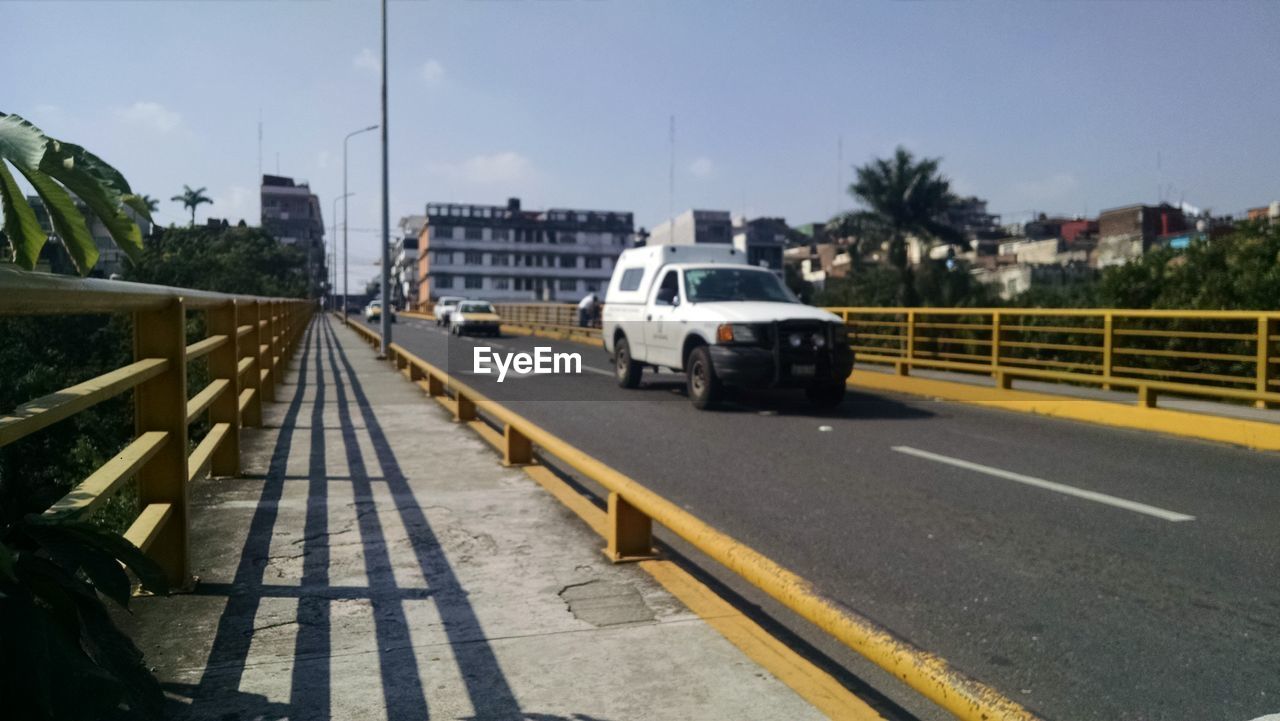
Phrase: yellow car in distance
(474, 317)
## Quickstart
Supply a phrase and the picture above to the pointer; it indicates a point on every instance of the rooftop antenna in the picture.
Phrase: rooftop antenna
(671, 171)
(839, 172)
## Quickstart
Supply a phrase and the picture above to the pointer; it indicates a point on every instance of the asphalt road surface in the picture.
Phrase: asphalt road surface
(1090, 573)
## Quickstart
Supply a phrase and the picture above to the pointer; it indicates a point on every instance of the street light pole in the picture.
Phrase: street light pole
(333, 264)
(346, 195)
(386, 202)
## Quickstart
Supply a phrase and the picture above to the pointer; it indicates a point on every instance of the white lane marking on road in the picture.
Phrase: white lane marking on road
(1048, 485)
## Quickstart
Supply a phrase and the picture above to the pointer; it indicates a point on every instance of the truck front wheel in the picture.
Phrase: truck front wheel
(626, 370)
(704, 387)
(825, 395)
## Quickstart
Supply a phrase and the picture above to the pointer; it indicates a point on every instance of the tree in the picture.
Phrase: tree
(152, 204)
(901, 197)
(193, 199)
(225, 260)
(58, 170)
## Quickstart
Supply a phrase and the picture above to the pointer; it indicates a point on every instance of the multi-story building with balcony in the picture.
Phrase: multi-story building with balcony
(505, 253)
(291, 213)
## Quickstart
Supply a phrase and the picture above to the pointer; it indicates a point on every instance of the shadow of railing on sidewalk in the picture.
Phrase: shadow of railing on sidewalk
(325, 368)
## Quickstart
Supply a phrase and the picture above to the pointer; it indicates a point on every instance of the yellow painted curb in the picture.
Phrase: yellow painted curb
(1236, 431)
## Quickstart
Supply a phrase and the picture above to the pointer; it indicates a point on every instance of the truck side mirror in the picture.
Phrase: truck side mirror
(675, 300)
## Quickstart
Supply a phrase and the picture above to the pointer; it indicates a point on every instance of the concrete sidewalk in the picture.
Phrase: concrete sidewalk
(375, 561)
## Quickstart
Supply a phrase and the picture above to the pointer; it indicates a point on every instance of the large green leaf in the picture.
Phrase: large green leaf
(95, 183)
(21, 142)
(20, 223)
(67, 220)
(89, 536)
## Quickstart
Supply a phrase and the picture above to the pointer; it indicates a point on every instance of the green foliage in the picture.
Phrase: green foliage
(63, 657)
(900, 197)
(934, 284)
(226, 260)
(58, 170)
(192, 199)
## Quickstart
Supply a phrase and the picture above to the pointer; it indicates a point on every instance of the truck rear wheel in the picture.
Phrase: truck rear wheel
(704, 387)
(626, 370)
(825, 395)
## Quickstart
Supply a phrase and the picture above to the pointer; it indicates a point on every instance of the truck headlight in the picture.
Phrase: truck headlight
(735, 333)
(819, 341)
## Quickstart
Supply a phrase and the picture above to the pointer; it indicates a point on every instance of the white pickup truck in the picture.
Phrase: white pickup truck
(704, 311)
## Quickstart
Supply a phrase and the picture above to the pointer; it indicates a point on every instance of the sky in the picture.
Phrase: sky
(1038, 107)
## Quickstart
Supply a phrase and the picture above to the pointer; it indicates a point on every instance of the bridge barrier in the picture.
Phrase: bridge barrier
(248, 341)
(1219, 355)
(632, 509)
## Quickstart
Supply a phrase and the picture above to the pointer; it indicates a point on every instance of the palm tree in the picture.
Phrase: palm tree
(901, 197)
(192, 199)
(152, 204)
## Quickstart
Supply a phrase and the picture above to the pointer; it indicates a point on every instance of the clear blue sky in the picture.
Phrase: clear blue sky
(1067, 107)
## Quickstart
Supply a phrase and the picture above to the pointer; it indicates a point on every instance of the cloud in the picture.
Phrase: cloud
(232, 204)
(151, 115)
(506, 167)
(702, 167)
(432, 72)
(1048, 189)
(366, 59)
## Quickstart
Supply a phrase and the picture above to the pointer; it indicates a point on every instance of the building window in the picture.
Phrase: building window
(499, 259)
(500, 234)
(568, 261)
(473, 234)
(592, 286)
(475, 281)
(567, 236)
(443, 232)
(568, 284)
(592, 262)
(442, 257)
(444, 281)
(474, 257)
(501, 283)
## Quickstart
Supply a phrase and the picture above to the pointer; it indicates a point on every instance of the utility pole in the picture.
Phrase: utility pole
(385, 315)
(333, 263)
(345, 195)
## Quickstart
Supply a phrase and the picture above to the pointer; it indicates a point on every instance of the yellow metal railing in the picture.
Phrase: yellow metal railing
(1223, 355)
(632, 509)
(247, 343)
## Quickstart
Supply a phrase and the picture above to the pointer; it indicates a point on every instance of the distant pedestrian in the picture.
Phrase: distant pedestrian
(587, 308)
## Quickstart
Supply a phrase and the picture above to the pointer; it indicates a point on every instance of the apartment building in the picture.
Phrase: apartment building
(506, 253)
(291, 213)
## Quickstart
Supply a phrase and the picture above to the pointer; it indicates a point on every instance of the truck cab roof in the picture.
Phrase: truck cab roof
(637, 268)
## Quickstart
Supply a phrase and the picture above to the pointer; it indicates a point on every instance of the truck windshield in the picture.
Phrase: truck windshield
(475, 308)
(710, 285)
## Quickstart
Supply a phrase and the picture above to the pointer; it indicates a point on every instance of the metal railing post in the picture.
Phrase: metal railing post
(247, 314)
(517, 450)
(904, 368)
(223, 362)
(630, 532)
(464, 408)
(1108, 343)
(1265, 372)
(266, 369)
(160, 404)
(1002, 380)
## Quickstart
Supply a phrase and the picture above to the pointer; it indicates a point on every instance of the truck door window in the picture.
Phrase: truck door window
(669, 289)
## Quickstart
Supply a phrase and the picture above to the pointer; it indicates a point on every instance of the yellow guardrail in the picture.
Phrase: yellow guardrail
(633, 509)
(248, 341)
(1223, 355)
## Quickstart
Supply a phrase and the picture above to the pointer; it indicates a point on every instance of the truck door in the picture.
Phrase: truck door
(661, 330)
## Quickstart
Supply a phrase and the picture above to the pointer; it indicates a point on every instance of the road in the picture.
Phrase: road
(1090, 573)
